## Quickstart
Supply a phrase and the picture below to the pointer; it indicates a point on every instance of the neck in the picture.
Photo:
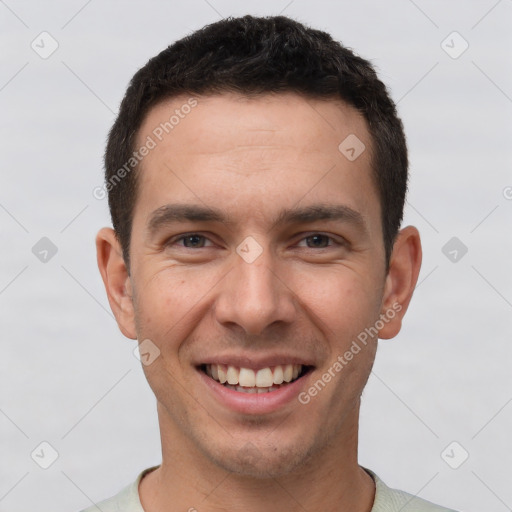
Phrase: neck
(331, 479)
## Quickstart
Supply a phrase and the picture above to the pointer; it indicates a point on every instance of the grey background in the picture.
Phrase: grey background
(67, 375)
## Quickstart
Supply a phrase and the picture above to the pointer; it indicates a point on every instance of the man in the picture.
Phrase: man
(256, 175)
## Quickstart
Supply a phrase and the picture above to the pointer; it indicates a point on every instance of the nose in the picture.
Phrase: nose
(255, 296)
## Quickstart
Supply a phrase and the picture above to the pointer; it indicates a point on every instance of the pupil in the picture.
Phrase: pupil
(194, 239)
(316, 238)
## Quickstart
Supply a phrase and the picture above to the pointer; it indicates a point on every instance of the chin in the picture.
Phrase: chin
(261, 460)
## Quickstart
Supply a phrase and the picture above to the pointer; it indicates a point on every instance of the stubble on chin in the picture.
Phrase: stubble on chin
(269, 461)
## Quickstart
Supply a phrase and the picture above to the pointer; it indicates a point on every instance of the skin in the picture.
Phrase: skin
(303, 296)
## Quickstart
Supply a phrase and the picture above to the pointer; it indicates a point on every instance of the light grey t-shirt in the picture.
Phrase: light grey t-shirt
(386, 499)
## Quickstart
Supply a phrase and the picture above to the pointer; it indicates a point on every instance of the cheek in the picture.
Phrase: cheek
(167, 310)
(170, 301)
(343, 301)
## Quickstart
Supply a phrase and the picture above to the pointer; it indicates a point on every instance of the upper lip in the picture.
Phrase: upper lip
(254, 362)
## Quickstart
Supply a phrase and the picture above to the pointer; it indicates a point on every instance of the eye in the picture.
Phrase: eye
(319, 241)
(189, 241)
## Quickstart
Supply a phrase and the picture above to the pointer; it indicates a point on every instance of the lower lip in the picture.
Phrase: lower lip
(254, 403)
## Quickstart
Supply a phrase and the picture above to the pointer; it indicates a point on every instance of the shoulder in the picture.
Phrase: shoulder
(393, 500)
(126, 500)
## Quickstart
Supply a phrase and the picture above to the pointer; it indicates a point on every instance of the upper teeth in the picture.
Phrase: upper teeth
(263, 378)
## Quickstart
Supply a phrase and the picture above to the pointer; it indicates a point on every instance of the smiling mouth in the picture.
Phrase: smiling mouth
(264, 380)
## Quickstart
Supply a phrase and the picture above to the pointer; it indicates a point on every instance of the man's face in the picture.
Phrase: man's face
(266, 282)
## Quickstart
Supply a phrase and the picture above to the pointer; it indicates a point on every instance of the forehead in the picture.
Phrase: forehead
(226, 121)
(249, 154)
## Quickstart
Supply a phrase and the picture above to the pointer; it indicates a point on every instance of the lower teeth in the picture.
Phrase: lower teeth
(252, 390)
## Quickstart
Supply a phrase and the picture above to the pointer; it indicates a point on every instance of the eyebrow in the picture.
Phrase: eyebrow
(172, 213)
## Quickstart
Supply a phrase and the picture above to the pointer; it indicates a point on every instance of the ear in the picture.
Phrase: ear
(404, 268)
(116, 280)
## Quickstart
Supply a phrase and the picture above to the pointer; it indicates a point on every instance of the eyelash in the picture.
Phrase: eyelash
(174, 240)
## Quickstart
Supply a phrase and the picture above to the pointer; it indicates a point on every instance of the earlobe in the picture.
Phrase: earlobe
(404, 268)
(116, 280)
